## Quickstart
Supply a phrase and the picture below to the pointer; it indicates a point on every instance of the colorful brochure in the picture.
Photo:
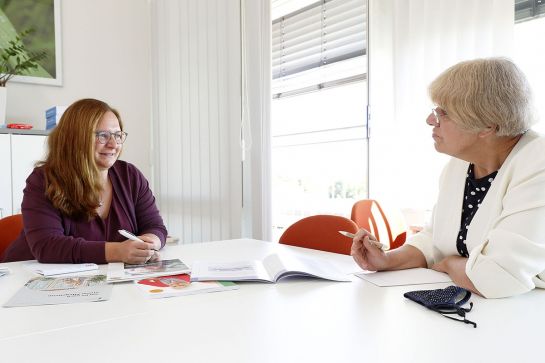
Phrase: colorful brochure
(179, 285)
(61, 290)
(119, 271)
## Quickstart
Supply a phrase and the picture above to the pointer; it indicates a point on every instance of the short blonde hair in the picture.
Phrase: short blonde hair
(482, 93)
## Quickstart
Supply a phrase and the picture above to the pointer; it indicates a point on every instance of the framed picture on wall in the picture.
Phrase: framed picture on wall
(44, 17)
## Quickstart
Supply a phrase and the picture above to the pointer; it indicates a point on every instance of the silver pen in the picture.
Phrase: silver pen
(131, 236)
(374, 243)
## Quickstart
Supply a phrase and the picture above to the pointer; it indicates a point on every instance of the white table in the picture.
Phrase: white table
(301, 320)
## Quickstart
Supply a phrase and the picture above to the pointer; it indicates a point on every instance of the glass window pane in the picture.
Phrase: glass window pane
(530, 55)
(319, 154)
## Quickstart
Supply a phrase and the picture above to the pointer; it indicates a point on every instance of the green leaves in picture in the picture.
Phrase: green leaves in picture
(15, 59)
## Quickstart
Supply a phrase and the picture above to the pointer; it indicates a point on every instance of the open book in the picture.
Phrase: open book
(271, 269)
(119, 271)
(178, 285)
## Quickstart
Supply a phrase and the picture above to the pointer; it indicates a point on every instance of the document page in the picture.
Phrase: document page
(52, 269)
(179, 285)
(413, 276)
(287, 266)
(119, 271)
(4, 271)
(61, 290)
(229, 271)
(274, 266)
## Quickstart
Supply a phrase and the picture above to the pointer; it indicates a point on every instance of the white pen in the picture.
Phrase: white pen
(131, 236)
(375, 243)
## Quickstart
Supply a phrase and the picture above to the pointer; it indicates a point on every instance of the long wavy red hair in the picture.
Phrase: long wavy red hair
(72, 177)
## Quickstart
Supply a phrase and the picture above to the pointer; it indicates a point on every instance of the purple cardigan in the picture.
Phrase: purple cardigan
(48, 236)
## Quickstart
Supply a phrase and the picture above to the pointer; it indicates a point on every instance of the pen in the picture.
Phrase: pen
(131, 236)
(375, 243)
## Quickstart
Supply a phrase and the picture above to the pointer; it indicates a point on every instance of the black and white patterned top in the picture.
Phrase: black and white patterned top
(474, 194)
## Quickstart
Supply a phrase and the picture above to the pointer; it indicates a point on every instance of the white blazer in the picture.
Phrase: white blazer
(506, 238)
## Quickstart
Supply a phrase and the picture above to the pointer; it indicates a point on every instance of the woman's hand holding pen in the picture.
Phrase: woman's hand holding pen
(153, 239)
(155, 242)
(135, 250)
(147, 241)
(366, 253)
(129, 251)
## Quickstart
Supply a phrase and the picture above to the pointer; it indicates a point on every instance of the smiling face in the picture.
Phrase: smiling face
(106, 154)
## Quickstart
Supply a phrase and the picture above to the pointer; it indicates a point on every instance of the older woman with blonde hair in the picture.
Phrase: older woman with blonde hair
(488, 226)
(77, 199)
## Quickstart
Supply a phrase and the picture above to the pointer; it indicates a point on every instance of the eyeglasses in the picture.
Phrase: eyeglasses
(104, 136)
(438, 112)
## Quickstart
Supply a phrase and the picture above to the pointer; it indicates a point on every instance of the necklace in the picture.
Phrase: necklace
(106, 189)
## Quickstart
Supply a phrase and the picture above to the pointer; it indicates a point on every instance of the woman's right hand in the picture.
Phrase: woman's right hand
(129, 251)
(367, 254)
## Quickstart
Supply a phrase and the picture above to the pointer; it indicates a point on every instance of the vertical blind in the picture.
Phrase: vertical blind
(196, 69)
(318, 35)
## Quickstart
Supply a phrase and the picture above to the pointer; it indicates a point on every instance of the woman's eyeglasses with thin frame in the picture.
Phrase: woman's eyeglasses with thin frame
(438, 112)
(104, 136)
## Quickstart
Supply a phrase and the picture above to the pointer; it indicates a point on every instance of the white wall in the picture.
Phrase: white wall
(105, 55)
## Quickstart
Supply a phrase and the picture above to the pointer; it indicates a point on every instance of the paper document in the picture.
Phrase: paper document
(4, 271)
(413, 276)
(51, 269)
(120, 272)
(61, 290)
(179, 285)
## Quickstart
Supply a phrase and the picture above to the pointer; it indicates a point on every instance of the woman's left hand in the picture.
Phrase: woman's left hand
(153, 239)
(156, 257)
(455, 267)
(443, 265)
(156, 242)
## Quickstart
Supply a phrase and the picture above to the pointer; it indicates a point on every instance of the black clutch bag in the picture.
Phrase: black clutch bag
(447, 302)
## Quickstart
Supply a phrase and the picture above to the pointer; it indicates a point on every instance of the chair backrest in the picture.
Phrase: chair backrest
(368, 214)
(320, 232)
(10, 228)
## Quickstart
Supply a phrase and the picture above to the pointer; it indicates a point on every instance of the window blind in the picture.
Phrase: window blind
(318, 35)
(529, 9)
(196, 65)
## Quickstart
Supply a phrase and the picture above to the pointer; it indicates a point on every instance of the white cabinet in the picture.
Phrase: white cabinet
(26, 150)
(18, 154)
(5, 175)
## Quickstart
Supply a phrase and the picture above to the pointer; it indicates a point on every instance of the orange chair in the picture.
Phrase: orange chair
(368, 214)
(10, 228)
(320, 232)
